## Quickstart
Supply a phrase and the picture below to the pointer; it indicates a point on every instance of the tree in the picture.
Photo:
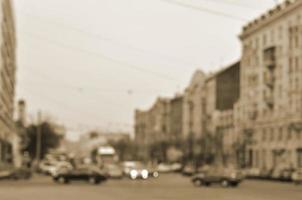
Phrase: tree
(49, 139)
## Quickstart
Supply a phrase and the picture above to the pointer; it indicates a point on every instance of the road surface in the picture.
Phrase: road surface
(166, 187)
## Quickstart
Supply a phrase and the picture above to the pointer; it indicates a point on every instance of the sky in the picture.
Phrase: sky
(89, 64)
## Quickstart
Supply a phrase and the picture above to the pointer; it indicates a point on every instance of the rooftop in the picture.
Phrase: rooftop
(271, 15)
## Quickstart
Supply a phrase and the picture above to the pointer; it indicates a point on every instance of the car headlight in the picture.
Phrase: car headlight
(155, 174)
(145, 174)
(133, 174)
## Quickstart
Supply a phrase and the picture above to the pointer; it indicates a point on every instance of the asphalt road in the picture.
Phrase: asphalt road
(166, 187)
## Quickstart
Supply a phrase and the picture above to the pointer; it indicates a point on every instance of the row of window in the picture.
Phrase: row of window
(279, 134)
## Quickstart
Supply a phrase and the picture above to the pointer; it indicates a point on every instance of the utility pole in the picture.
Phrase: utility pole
(39, 138)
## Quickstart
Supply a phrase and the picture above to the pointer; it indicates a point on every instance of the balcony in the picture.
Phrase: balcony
(269, 80)
(269, 56)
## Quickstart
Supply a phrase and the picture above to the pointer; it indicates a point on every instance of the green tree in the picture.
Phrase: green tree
(49, 139)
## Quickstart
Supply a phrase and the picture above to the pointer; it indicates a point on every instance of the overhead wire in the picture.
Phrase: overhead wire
(205, 10)
(121, 64)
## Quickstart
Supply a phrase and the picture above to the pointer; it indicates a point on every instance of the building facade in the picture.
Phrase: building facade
(8, 138)
(269, 113)
(175, 115)
(152, 126)
(222, 92)
(194, 106)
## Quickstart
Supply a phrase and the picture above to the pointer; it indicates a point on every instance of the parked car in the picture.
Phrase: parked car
(82, 173)
(252, 173)
(265, 174)
(286, 175)
(114, 171)
(297, 176)
(188, 170)
(225, 177)
(276, 174)
(176, 167)
(164, 168)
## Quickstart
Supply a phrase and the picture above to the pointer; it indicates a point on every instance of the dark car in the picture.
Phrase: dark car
(90, 174)
(225, 177)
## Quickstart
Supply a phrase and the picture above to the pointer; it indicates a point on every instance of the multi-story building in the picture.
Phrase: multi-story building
(175, 116)
(152, 126)
(222, 92)
(8, 137)
(194, 106)
(269, 113)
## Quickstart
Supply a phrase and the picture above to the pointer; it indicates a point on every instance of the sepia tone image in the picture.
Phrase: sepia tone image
(151, 99)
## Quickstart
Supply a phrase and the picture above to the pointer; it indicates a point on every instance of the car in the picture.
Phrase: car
(47, 167)
(276, 174)
(297, 176)
(82, 173)
(135, 170)
(127, 166)
(164, 168)
(217, 175)
(265, 174)
(51, 167)
(114, 171)
(176, 167)
(188, 170)
(252, 173)
(286, 175)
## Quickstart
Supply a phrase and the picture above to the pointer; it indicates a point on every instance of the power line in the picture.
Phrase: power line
(234, 3)
(205, 10)
(80, 89)
(102, 56)
(107, 39)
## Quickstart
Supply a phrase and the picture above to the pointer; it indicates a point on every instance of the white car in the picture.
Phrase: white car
(164, 168)
(297, 176)
(51, 168)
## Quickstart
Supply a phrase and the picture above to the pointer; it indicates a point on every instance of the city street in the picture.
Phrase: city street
(170, 187)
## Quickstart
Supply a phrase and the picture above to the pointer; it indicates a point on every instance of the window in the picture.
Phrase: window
(280, 134)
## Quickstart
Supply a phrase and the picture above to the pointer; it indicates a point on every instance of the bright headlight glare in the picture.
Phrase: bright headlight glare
(145, 174)
(155, 174)
(133, 174)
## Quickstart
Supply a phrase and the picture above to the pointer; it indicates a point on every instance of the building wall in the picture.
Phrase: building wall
(228, 87)
(210, 105)
(176, 118)
(271, 84)
(152, 126)
(193, 106)
(7, 84)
